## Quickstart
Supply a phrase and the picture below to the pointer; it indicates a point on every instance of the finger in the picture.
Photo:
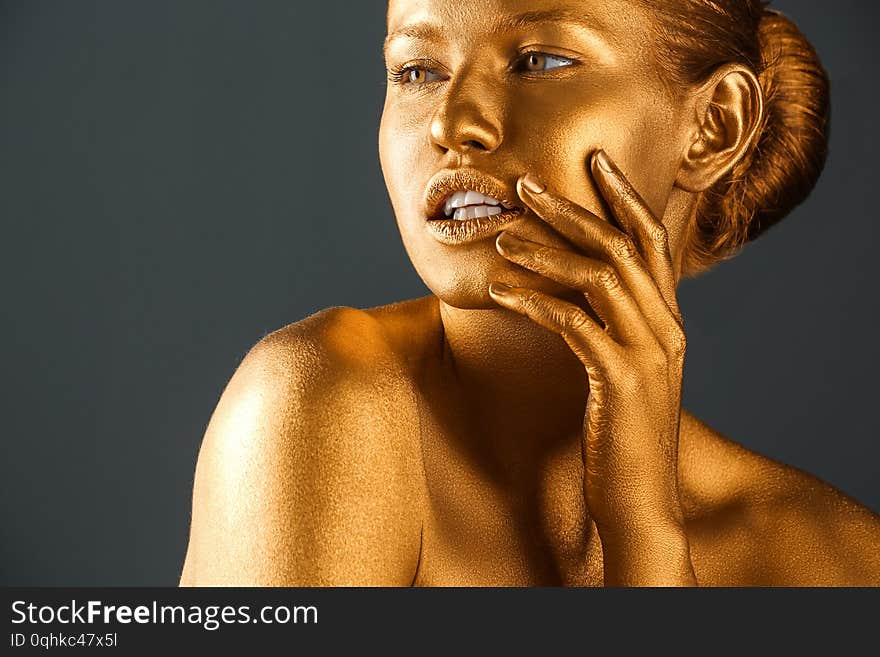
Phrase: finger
(574, 222)
(597, 237)
(639, 221)
(595, 348)
(597, 280)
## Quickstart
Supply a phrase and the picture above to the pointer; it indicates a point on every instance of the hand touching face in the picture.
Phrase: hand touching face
(632, 348)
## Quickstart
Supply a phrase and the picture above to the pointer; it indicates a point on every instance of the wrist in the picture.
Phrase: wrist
(647, 555)
(651, 519)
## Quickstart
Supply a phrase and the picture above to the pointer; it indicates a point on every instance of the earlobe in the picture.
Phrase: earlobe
(729, 111)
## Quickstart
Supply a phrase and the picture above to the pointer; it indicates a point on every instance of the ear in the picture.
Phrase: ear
(729, 109)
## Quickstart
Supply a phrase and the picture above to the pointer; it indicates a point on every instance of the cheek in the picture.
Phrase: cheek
(407, 164)
(397, 154)
(649, 154)
(556, 138)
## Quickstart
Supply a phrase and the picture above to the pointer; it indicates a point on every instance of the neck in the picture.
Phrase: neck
(526, 379)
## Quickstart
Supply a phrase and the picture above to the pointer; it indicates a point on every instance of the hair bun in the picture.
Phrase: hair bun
(788, 155)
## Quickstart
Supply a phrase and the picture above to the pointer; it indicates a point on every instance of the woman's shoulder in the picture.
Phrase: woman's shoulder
(344, 339)
(309, 471)
(338, 367)
(756, 521)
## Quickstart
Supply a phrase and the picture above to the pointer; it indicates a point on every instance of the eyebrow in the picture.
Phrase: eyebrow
(429, 31)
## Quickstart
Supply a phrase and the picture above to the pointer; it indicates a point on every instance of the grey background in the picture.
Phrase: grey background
(167, 192)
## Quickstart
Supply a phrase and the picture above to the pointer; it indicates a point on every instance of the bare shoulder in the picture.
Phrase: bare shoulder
(754, 521)
(309, 472)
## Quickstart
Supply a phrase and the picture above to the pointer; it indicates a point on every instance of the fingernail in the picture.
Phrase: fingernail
(507, 242)
(533, 183)
(499, 289)
(604, 162)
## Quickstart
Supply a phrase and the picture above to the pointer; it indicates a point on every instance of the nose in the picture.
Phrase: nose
(468, 119)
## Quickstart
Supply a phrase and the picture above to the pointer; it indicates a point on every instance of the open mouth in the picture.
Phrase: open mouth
(466, 204)
(467, 194)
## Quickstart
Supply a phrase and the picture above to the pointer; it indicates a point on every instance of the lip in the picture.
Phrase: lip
(452, 232)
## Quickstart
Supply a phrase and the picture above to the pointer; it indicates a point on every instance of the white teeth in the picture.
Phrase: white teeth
(469, 198)
(474, 212)
(473, 198)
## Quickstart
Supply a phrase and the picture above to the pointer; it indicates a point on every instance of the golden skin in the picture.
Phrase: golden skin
(443, 441)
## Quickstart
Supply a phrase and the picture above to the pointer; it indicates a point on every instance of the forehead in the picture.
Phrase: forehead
(612, 18)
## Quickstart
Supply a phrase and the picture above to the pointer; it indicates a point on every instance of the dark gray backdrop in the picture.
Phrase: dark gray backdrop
(167, 192)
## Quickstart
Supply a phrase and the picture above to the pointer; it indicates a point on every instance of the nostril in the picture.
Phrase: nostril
(473, 143)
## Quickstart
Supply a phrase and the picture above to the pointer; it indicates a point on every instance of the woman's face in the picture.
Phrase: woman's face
(480, 93)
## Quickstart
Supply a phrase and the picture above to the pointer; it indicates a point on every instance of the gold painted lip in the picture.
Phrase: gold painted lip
(452, 232)
(447, 182)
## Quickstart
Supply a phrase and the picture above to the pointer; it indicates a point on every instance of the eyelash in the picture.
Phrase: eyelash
(398, 75)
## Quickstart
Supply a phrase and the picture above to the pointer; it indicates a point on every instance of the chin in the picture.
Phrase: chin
(465, 284)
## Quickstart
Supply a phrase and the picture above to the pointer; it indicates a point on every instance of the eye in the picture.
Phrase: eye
(539, 61)
(421, 75)
(415, 75)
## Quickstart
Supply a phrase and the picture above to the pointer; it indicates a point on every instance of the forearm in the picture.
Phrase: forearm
(647, 557)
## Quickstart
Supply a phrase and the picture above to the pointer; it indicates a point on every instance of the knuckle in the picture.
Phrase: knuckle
(679, 347)
(573, 320)
(676, 342)
(623, 248)
(605, 277)
(628, 379)
(541, 257)
(532, 299)
(679, 318)
(659, 235)
(659, 363)
(559, 206)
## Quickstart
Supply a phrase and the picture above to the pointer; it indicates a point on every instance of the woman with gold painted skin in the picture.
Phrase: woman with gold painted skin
(555, 167)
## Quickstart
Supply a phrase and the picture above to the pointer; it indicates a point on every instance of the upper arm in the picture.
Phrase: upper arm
(770, 524)
(824, 538)
(308, 473)
(789, 528)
